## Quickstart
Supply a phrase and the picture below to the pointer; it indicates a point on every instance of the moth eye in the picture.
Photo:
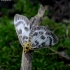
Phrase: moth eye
(26, 47)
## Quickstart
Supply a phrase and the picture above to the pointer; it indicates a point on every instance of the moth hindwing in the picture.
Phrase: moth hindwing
(41, 36)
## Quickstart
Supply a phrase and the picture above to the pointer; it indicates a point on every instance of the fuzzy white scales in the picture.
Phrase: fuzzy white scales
(33, 37)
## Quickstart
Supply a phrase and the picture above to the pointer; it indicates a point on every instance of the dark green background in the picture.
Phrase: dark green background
(11, 50)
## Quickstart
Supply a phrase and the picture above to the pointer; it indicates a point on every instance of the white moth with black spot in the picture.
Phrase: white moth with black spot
(33, 37)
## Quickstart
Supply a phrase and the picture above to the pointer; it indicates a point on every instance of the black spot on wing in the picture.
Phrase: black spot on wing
(38, 28)
(53, 36)
(25, 37)
(41, 32)
(26, 28)
(35, 34)
(36, 42)
(25, 19)
(50, 44)
(42, 37)
(33, 45)
(34, 28)
(43, 44)
(19, 31)
(17, 24)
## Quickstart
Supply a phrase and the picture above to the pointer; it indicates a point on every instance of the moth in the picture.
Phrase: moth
(31, 36)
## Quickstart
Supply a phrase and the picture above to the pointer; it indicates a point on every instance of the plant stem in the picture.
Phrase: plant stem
(26, 63)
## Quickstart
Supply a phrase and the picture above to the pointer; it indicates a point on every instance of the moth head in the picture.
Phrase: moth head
(27, 47)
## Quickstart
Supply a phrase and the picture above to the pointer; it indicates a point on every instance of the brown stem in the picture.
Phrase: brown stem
(26, 63)
(58, 53)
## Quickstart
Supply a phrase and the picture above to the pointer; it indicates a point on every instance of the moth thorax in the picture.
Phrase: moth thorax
(27, 47)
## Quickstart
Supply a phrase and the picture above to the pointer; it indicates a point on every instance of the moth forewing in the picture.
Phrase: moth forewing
(22, 27)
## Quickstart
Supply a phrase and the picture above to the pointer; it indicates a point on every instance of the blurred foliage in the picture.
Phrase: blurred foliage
(11, 50)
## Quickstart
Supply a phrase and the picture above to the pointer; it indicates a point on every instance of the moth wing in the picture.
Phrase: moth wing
(43, 37)
(51, 38)
(22, 27)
